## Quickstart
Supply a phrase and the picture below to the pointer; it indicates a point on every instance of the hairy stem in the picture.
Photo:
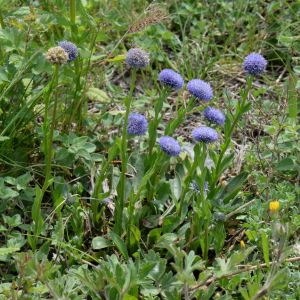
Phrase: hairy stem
(124, 140)
(232, 127)
(1, 20)
(49, 155)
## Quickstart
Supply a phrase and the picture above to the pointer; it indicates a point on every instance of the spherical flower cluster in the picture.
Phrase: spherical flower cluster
(255, 64)
(195, 188)
(57, 56)
(171, 79)
(169, 145)
(214, 116)
(70, 48)
(200, 89)
(205, 134)
(137, 124)
(137, 58)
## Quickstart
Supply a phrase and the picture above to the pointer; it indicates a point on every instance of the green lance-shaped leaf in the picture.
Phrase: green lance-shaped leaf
(232, 188)
(119, 244)
(265, 248)
(5, 251)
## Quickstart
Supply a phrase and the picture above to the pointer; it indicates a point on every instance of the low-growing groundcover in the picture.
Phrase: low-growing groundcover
(149, 150)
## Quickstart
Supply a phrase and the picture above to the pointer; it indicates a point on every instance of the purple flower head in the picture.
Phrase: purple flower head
(171, 79)
(70, 48)
(137, 124)
(214, 116)
(205, 135)
(105, 201)
(255, 64)
(169, 145)
(195, 188)
(200, 89)
(137, 58)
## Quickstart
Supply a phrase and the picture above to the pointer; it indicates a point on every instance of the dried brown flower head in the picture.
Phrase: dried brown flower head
(57, 56)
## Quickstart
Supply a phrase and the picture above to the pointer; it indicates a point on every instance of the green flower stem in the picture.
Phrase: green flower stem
(47, 97)
(177, 102)
(190, 172)
(157, 108)
(292, 100)
(1, 20)
(72, 19)
(202, 201)
(237, 117)
(159, 160)
(78, 103)
(95, 203)
(49, 155)
(124, 141)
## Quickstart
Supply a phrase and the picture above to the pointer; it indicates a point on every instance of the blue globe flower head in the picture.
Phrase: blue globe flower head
(105, 201)
(137, 124)
(137, 58)
(195, 188)
(70, 48)
(200, 89)
(255, 64)
(214, 115)
(171, 79)
(169, 145)
(205, 135)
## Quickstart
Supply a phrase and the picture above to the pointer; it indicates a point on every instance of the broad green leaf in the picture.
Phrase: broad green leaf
(100, 242)
(79, 141)
(90, 148)
(94, 94)
(176, 185)
(3, 74)
(62, 154)
(5, 251)
(168, 238)
(83, 152)
(170, 223)
(285, 165)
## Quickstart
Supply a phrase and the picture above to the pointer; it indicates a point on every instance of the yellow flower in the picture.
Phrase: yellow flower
(242, 245)
(274, 206)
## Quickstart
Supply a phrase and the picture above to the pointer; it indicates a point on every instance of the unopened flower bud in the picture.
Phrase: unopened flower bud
(274, 207)
(243, 247)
